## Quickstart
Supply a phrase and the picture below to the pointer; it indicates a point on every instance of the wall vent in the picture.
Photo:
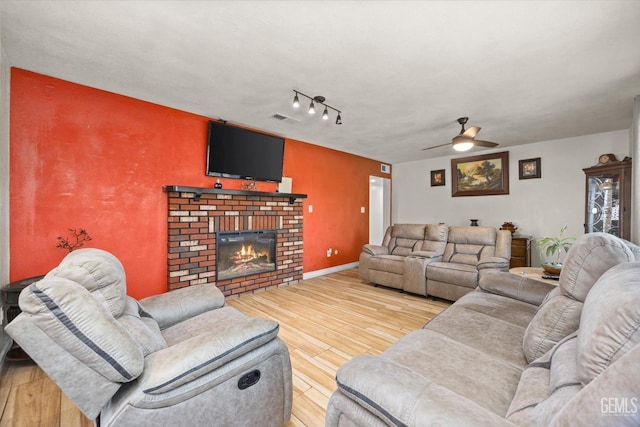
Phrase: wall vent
(385, 168)
(280, 116)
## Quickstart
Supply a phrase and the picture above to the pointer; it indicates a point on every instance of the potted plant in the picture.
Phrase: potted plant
(554, 246)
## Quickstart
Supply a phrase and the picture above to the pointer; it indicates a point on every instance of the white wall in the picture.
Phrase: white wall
(5, 342)
(4, 167)
(538, 207)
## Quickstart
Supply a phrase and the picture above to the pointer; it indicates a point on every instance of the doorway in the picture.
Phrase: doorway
(379, 208)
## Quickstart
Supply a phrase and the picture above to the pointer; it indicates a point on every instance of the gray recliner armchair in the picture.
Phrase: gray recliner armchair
(180, 358)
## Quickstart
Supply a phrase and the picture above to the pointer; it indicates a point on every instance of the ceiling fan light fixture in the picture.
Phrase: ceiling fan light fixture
(463, 146)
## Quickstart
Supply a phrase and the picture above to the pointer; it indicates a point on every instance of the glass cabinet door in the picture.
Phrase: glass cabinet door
(603, 204)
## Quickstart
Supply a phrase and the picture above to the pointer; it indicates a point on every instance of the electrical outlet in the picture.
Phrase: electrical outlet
(329, 253)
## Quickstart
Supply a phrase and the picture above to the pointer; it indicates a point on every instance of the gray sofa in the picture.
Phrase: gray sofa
(515, 352)
(435, 259)
(180, 358)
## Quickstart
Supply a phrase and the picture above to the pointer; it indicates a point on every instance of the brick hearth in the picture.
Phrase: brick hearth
(196, 214)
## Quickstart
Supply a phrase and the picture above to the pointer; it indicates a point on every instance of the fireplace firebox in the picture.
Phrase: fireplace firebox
(243, 253)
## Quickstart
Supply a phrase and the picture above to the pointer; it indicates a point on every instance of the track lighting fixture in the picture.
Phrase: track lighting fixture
(312, 108)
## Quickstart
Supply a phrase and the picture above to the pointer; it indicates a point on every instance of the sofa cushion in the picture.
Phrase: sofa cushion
(99, 272)
(466, 245)
(406, 238)
(546, 385)
(141, 326)
(610, 322)
(559, 315)
(83, 327)
(435, 238)
(389, 263)
(454, 365)
(451, 272)
(502, 321)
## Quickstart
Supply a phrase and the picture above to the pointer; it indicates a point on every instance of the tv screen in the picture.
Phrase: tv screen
(240, 153)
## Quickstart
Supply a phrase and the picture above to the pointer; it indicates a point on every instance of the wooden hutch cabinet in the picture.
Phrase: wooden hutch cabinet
(608, 196)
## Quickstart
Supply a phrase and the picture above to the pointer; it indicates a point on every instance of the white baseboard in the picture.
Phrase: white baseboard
(318, 273)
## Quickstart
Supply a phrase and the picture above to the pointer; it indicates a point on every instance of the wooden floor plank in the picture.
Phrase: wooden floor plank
(325, 321)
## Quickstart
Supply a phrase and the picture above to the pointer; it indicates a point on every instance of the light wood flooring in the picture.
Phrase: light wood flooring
(325, 321)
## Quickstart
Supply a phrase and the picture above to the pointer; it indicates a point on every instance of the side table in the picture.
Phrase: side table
(520, 251)
(10, 308)
(534, 273)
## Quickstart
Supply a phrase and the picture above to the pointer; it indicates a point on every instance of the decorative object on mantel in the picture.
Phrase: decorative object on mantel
(250, 186)
(312, 108)
(437, 178)
(529, 168)
(76, 241)
(474, 222)
(509, 226)
(217, 185)
(483, 175)
(553, 246)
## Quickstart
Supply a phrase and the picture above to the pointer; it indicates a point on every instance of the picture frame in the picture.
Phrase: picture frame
(529, 168)
(483, 175)
(438, 178)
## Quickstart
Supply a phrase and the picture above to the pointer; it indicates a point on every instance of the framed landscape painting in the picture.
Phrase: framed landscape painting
(483, 175)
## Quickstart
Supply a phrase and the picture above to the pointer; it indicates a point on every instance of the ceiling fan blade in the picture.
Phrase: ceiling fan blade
(471, 132)
(436, 146)
(479, 143)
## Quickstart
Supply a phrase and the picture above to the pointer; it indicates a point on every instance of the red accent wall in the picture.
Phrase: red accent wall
(86, 158)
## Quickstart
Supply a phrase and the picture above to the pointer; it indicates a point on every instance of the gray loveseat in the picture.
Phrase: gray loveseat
(515, 352)
(179, 358)
(435, 259)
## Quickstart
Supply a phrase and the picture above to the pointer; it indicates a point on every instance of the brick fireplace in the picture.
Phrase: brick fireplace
(196, 216)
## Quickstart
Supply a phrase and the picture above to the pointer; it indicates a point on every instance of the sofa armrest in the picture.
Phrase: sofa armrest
(399, 396)
(425, 254)
(176, 306)
(375, 249)
(174, 366)
(494, 262)
(515, 286)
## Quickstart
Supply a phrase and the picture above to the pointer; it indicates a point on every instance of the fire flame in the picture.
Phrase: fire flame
(247, 252)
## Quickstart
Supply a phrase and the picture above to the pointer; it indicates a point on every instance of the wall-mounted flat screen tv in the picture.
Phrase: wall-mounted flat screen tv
(234, 152)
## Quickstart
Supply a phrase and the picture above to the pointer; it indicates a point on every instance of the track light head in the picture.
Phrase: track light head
(338, 119)
(325, 114)
(312, 108)
(296, 101)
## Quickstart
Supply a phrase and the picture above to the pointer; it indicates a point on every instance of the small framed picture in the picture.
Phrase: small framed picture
(437, 178)
(529, 168)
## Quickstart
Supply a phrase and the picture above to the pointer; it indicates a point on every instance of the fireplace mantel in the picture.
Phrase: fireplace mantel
(198, 191)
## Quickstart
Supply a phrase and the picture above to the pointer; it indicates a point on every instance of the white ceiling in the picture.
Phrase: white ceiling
(401, 72)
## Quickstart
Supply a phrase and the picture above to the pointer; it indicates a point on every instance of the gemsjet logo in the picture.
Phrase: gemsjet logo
(619, 406)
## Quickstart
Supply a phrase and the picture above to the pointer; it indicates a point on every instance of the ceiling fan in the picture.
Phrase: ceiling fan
(466, 139)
